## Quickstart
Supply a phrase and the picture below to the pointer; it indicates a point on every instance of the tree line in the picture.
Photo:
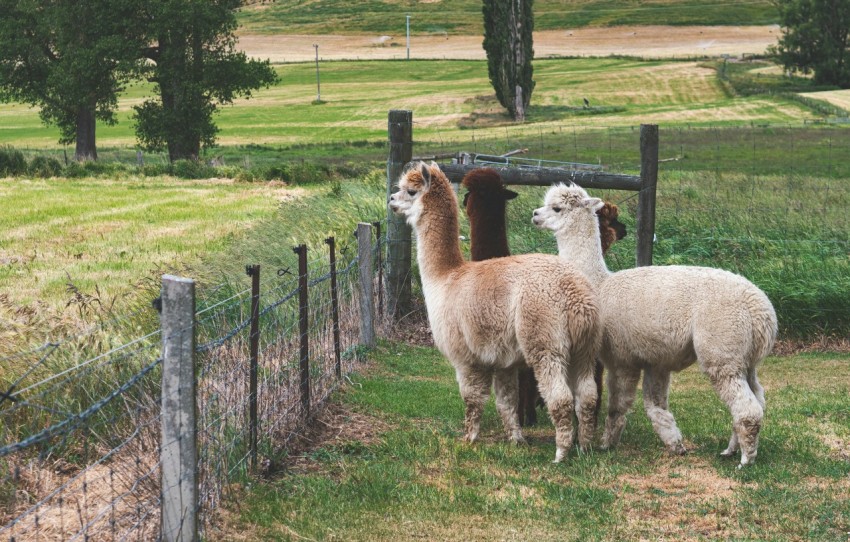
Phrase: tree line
(72, 59)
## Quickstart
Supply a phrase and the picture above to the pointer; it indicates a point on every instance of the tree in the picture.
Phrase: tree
(195, 69)
(508, 42)
(815, 39)
(69, 58)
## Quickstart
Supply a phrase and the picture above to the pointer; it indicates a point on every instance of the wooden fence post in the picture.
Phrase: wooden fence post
(399, 246)
(303, 328)
(367, 302)
(331, 242)
(646, 197)
(179, 452)
(253, 271)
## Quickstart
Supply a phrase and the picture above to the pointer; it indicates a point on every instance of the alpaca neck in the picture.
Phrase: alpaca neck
(437, 232)
(489, 234)
(582, 247)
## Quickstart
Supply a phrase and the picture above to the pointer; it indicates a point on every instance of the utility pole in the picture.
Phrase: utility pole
(318, 85)
(408, 37)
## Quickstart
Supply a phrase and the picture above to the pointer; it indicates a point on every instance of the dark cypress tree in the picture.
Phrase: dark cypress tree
(508, 42)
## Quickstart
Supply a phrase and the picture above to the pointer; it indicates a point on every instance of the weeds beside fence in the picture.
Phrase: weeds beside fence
(82, 454)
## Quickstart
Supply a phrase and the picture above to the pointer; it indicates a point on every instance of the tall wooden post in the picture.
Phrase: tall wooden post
(303, 329)
(253, 271)
(399, 246)
(646, 197)
(367, 297)
(178, 449)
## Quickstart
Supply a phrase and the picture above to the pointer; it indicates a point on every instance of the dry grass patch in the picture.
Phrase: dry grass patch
(679, 500)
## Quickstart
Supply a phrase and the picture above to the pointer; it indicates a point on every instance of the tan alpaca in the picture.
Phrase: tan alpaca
(659, 319)
(487, 316)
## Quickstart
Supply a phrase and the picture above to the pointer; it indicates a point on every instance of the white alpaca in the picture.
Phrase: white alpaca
(662, 319)
(487, 316)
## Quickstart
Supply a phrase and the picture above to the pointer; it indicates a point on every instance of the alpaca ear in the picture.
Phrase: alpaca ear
(425, 171)
(510, 194)
(465, 198)
(593, 203)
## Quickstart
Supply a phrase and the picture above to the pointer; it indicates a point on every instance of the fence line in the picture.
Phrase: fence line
(85, 451)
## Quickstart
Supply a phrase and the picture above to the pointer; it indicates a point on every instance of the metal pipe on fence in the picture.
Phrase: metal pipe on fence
(253, 271)
(178, 448)
(645, 218)
(399, 245)
(331, 242)
(367, 302)
(548, 176)
(303, 326)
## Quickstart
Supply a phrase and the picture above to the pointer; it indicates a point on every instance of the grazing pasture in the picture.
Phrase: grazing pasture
(386, 463)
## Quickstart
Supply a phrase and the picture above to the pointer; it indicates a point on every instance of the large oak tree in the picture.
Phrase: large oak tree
(195, 68)
(815, 39)
(70, 59)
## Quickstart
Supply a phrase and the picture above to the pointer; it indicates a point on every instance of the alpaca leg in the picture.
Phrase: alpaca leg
(656, 389)
(527, 397)
(747, 414)
(507, 395)
(550, 371)
(622, 384)
(598, 372)
(758, 391)
(474, 389)
(586, 407)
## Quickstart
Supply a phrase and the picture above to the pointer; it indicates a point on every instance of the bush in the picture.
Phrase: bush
(45, 166)
(192, 169)
(12, 162)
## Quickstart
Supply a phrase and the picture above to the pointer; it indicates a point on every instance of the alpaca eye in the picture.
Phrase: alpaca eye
(556, 209)
(411, 192)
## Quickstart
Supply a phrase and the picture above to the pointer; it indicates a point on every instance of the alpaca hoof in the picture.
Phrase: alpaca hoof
(560, 455)
(728, 452)
(470, 437)
(677, 449)
(519, 441)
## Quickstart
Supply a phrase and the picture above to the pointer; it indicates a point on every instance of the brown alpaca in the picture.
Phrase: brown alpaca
(488, 316)
(485, 203)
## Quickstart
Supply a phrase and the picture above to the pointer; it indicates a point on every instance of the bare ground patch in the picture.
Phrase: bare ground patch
(641, 41)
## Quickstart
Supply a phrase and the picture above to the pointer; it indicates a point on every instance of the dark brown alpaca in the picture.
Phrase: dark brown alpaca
(485, 203)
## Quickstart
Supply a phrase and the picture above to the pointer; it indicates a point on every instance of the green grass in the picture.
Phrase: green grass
(412, 477)
(464, 16)
(452, 101)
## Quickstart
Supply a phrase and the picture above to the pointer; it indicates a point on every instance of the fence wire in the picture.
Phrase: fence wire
(80, 433)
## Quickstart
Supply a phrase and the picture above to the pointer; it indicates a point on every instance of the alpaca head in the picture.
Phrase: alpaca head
(485, 191)
(565, 207)
(611, 230)
(419, 183)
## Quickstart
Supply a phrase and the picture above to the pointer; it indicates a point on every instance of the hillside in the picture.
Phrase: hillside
(463, 17)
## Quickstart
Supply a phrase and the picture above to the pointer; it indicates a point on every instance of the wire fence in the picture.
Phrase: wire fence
(81, 436)
(763, 200)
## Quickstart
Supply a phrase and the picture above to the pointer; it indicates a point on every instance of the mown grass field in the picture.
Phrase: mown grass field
(387, 464)
(450, 100)
(464, 16)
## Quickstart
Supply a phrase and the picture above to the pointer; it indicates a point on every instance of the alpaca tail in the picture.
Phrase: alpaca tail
(765, 329)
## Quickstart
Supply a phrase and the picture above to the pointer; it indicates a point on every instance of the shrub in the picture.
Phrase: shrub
(45, 166)
(191, 169)
(12, 162)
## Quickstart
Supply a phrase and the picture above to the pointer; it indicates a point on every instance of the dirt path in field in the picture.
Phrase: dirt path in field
(643, 41)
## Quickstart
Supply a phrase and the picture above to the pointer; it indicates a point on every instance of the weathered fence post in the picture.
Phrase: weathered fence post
(178, 447)
(367, 302)
(253, 271)
(303, 327)
(400, 129)
(646, 196)
(331, 242)
(380, 265)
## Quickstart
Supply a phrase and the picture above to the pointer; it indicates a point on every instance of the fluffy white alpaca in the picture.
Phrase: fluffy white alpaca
(487, 316)
(662, 319)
